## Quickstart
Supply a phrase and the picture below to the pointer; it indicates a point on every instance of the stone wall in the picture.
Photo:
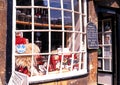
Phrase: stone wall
(2, 40)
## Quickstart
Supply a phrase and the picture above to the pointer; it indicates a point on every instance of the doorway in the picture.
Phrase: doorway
(107, 52)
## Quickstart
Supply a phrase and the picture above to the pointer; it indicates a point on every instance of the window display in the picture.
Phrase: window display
(105, 45)
(49, 39)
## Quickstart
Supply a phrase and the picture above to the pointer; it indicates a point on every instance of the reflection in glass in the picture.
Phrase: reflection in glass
(107, 38)
(23, 2)
(76, 5)
(77, 42)
(55, 3)
(67, 18)
(41, 16)
(40, 2)
(69, 38)
(107, 51)
(67, 4)
(77, 22)
(56, 18)
(107, 64)
(23, 15)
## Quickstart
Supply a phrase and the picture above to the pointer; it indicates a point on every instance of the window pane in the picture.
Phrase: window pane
(67, 4)
(69, 41)
(23, 64)
(77, 42)
(41, 39)
(56, 40)
(21, 43)
(41, 18)
(107, 51)
(68, 19)
(77, 22)
(40, 3)
(107, 38)
(76, 5)
(55, 3)
(41, 66)
(23, 2)
(107, 64)
(23, 19)
(56, 19)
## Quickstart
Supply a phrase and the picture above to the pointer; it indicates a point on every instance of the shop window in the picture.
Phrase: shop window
(105, 45)
(49, 38)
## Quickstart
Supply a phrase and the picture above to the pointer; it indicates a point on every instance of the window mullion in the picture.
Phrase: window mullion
(13, 34)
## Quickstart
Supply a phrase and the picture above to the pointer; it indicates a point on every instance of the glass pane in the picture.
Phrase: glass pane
(76, 5)
(82, 61)
(41, 40)
(40, 65)
(55, 63)
(56, 19)
(41, 17)
(83, 47)
(83, 24)
(100, 38)
(100, 64)
(77, 42)
(40, 3)
(23, 2)
(107, 38)
(56, 41)
(107, 64)
(23, 42)
(69, 41)
(23, 19)
(68, 19)
(107, 25)
(100, 54)
(55, 3)
(23, 64)
(67, 4)
(107, 51)
(77, 22)
(76, 62)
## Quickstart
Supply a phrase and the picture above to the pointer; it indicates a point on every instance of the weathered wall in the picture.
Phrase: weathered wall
(75, 81)
(2, 40)
(92, 16)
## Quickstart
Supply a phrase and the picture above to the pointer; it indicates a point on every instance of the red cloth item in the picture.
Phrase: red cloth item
(20, 40)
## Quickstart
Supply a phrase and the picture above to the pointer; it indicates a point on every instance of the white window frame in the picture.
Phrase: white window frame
(48, 77)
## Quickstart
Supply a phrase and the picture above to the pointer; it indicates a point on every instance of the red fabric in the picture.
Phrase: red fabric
(20, 40)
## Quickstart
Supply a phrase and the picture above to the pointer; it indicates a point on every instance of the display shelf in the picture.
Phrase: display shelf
(42, 24)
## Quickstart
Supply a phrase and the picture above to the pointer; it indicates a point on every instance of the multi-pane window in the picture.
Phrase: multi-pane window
(105, 45)
(49, 38)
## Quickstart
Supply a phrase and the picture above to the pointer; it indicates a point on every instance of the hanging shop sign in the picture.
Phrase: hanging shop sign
(92, 36)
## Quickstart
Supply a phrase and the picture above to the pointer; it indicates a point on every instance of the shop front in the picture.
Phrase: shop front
(48, 42)
(49, 39)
